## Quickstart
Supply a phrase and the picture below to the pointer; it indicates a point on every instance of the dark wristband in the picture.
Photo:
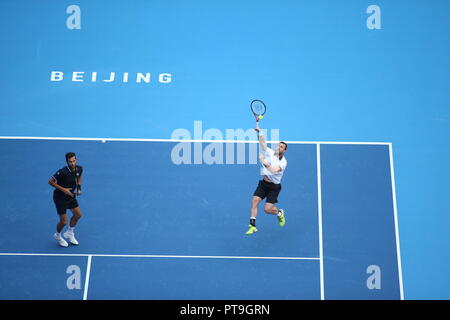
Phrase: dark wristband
(79, 187)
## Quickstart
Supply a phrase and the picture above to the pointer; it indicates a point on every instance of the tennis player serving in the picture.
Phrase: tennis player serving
(274, 163)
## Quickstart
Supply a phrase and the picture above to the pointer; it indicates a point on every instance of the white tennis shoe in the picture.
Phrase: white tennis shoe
(71, 237)
(60, 240)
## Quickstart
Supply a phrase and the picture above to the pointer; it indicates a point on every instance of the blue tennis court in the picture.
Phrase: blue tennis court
(153, 229)
(154, 99)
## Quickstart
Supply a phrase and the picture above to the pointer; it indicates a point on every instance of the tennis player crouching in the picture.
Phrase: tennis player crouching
(274, 163)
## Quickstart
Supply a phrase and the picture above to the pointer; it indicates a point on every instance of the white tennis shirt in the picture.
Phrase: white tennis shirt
(273, 160)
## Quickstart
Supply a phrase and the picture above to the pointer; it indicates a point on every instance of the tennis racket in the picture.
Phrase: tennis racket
(258, 109)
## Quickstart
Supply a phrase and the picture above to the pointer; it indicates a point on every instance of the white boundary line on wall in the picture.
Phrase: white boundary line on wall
(186, 140)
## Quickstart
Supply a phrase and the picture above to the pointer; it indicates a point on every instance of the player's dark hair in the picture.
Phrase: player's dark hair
(69, 155)
(285, 145)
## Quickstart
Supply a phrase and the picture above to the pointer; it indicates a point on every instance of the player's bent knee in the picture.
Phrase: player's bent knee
(268, 208)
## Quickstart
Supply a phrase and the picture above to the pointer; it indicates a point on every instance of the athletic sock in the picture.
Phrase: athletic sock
(71, 229)
(253, 221)
(279, 213)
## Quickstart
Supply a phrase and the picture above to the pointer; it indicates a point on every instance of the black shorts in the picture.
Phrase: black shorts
(269, 190)
(62, 204)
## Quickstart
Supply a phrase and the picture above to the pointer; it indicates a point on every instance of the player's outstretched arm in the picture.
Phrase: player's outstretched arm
(261, 139)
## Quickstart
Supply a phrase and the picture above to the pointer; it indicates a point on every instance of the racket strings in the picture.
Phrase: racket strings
(258, 107)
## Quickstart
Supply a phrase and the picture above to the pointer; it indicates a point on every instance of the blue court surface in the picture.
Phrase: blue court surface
(154, 97)
(153, 229)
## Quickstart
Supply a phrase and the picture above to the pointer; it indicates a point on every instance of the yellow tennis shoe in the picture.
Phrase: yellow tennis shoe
(281, 218)
(251, 230)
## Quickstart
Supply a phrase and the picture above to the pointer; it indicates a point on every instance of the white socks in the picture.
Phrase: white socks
(70, 230)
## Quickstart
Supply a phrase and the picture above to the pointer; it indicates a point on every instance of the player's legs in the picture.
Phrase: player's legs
(76, 215)
(59, 227)
(61, 209)
(270, 208)
(272, 198)
(62, 222)
(253, 213)
(259, 194)
(254, 209)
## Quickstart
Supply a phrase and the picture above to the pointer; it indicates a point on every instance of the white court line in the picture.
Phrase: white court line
(319, 213)
(397, 237)
(88, 274)
(152, 256)
(187, 140)
(88, 271)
